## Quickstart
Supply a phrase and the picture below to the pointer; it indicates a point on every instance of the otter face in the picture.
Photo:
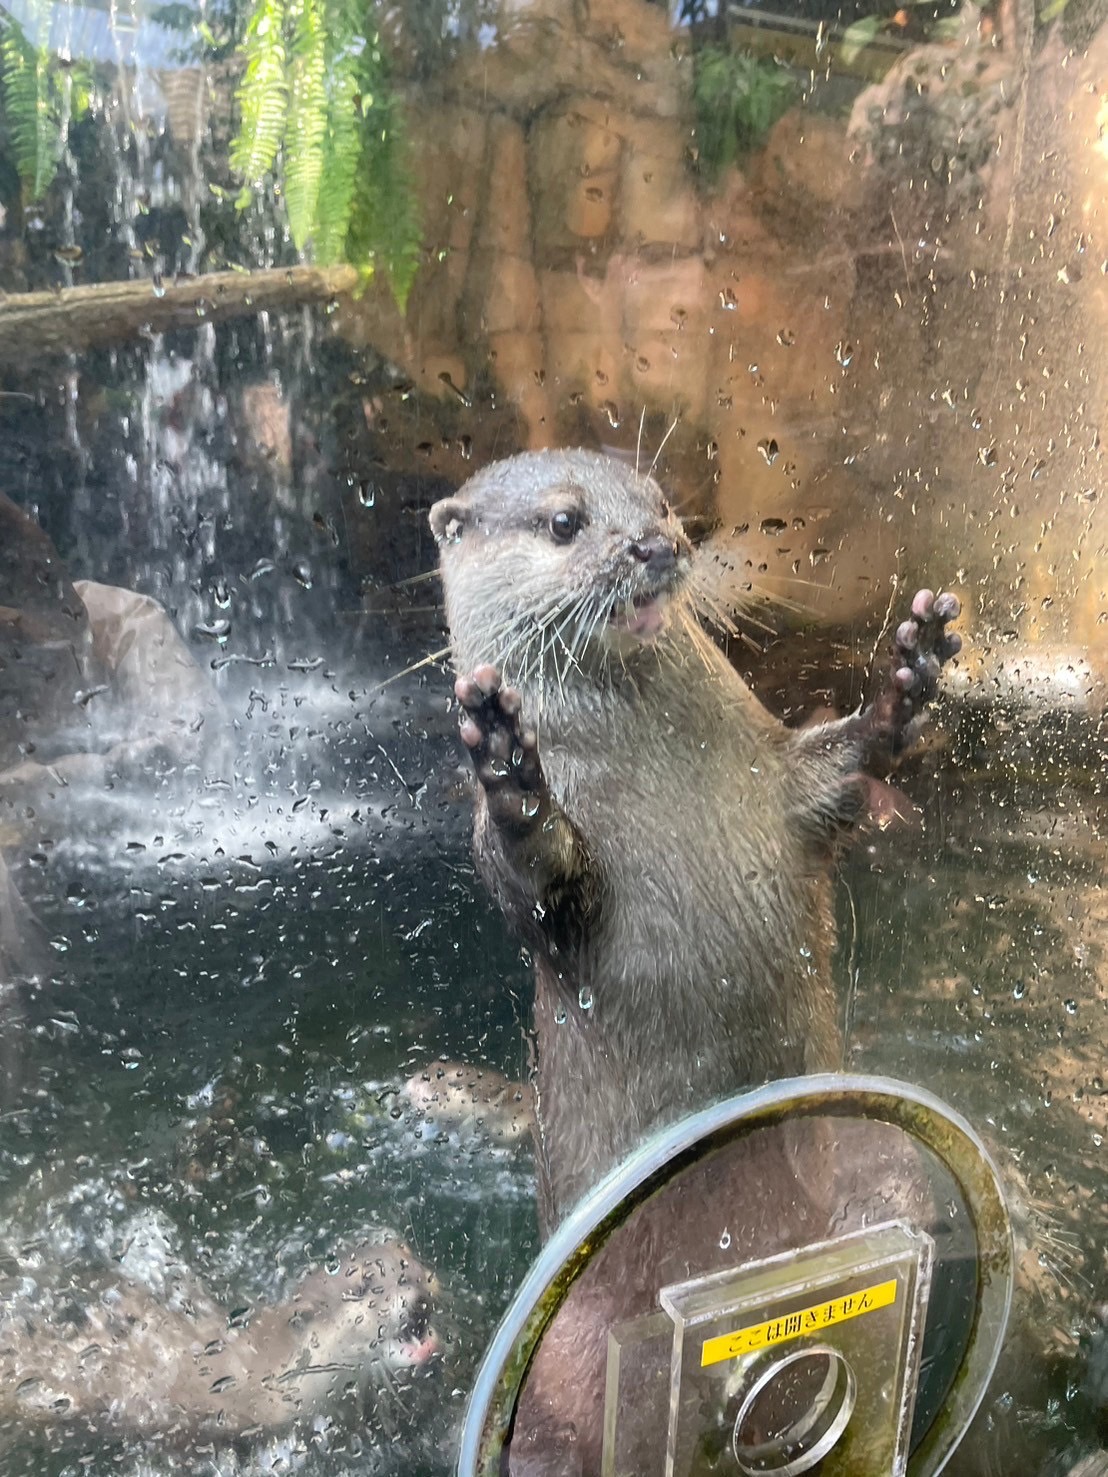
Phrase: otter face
(552, 557)
(373, 1309)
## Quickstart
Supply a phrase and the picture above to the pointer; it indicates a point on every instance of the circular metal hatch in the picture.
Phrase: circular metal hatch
(772, 1173)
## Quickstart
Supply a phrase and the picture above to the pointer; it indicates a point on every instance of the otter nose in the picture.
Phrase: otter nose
(657, 552)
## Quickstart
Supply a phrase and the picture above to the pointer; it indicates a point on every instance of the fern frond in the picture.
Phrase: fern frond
(81, 83)
(384, 226)
(31, 111)
(342, 156)
(307, 121)
(343, 144)
(262, 97)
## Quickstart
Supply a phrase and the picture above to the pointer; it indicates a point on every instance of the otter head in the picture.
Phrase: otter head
(557, 559)
(368, 1317)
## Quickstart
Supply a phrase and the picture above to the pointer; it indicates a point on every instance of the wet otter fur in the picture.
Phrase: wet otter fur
(105, 1357)
(659, 840)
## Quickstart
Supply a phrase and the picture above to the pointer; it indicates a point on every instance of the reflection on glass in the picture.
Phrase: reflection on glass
(280, 275)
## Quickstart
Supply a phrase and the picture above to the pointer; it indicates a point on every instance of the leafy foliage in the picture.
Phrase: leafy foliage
(342, 152)
(738, 99)
(316, 98)
(262, 97)
(38, 92)
(384, 223)
(307, 121)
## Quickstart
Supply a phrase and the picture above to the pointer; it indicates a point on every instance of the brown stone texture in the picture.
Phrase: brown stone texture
(882, 338)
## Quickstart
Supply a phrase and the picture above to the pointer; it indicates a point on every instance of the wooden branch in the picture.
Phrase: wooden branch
(37, 325)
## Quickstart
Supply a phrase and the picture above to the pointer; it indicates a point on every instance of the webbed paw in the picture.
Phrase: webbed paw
(504, 751)
(922, 645)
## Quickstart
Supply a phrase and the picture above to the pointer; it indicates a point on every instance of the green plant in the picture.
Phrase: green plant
(39, 92)
(318, 115)
(738, 99)
(863, 32)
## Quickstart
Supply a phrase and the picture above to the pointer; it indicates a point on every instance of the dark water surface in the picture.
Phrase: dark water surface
(233, 1002)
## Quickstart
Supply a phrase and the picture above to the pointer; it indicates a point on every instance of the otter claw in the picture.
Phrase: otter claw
(505, 755)
(921, 645)
(922, 642)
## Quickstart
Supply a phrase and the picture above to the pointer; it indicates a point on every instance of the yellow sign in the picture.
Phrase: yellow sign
(795, 1325)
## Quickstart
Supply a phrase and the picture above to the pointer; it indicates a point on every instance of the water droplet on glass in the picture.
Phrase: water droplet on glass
(157, 285)
(728, 300)
(611, 410)
(725, 1240)
(786, 338)
(302, 573)
(367, 494)
(844, 353)
(585, 997)
(559, 1015)
(769, 449)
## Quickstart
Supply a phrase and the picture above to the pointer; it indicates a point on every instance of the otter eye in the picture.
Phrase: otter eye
(565, 525)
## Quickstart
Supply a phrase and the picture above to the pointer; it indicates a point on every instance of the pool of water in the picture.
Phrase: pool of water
(236, 992)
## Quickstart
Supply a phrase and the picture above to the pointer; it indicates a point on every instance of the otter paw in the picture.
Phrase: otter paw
(923, 644)
(505, 754)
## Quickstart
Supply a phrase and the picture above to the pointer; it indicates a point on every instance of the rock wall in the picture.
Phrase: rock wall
(877, 336)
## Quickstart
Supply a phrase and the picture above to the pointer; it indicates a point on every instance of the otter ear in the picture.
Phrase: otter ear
(449, 518)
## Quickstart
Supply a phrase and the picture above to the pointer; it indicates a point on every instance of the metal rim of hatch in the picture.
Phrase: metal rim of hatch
(918, 1112)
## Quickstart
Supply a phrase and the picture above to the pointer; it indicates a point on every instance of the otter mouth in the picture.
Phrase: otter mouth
(419, 1342)
(418, 1353)
(643, 615)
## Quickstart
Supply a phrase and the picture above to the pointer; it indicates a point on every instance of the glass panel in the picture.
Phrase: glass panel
(276, 278)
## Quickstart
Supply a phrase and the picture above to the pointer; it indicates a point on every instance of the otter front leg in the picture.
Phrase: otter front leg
(532, 859)
(831, 760)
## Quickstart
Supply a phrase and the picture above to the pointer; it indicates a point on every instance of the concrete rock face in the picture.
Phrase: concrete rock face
(891, 297)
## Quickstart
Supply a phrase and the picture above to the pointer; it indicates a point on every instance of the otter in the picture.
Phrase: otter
(105, 1356)
(477, 1103)
(660, 841)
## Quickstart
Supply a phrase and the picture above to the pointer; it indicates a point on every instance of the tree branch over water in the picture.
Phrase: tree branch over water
(37, 325)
